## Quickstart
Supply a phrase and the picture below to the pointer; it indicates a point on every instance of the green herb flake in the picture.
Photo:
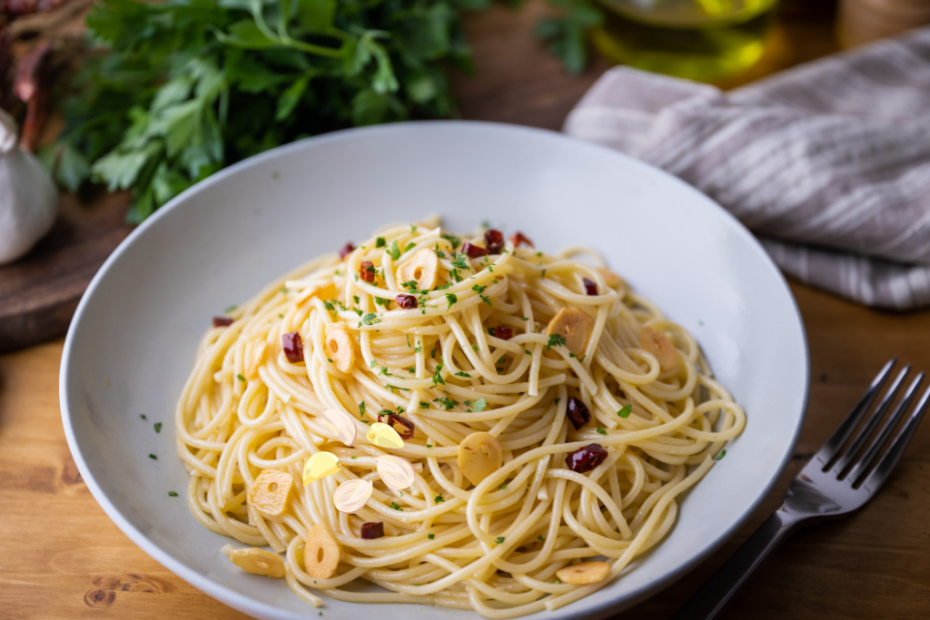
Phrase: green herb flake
(157, 427)
(230, 309)
(502, 487)
(527, 351)
(437, 377)
(601, 431)
(395, 506)
(540, 537)
(395, 251)
(555, 340)
(499, 540)
(142, 416)
(479, 405)
(172, 494)
(379, 242)
(153, 457)
(451, 298)
(240, 377)
(463, 374)
(722, 454)
(431, 536)
(439, 499)
(626, 411)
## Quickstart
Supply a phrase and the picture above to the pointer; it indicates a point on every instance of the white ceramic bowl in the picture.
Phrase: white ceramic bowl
(133, 338)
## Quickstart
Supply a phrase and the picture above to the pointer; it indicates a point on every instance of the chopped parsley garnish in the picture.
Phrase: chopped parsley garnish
(557, 581)
(446, 402)
(372, 364)
(230, 309)
(499, 540)
(410, 285)
(326, 305)
(555, 340)
(486, 300)
(380, 243)
(172, 494)
(722, 454)
(142, 416)
(479, 289)
(424, 405)
(437, 377)
(479, 405)
(431, 536)
(158, 427)
(240, 377)
(490, 331)
(153, 457)
(524, 318)
(601, 431)
(460, 262)
(395, 251)
(502, 487)
(540, 537)
(439, 499)
(626, 411)
(527, 351)
(361, 407)
(395, 506)
(382, 302)
(463, 374)
(370, 319)
(455, 241)
(410, 246)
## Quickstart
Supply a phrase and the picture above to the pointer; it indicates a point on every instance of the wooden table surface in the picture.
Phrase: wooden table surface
(61, 557)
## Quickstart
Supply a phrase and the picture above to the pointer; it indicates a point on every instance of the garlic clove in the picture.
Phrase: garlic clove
(28, 198)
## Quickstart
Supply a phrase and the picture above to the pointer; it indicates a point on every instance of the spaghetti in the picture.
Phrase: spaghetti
(473, 346)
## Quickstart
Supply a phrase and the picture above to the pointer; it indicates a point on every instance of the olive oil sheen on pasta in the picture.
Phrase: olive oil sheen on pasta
(696, 39)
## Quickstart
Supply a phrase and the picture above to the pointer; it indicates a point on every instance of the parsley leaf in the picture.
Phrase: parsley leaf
(555, 340)
(395, 251)
(626, 411)
(451, 298)
(479, 405)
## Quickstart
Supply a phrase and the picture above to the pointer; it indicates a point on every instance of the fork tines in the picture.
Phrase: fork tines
(848, 464)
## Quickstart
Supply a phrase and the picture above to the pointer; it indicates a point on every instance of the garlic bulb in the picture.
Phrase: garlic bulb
(28, 198)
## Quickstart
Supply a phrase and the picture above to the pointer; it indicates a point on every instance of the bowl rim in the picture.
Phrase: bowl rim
(248, 605)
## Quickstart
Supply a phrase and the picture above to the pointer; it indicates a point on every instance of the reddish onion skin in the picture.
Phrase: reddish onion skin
(589, 287)
(587, 458)
(404, 422)
(407, 302)
(293, 346)
(372, 530)
(222, 321)
(518, 238)
(578, 413)
(504, 333)
(367, 271)
(346, 250)
(474, 251)
(494, 241)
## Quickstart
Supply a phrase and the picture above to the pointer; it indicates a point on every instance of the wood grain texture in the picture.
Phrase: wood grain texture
(62, 558)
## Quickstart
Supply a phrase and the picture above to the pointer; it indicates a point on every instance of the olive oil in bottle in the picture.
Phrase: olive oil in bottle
(697, 39)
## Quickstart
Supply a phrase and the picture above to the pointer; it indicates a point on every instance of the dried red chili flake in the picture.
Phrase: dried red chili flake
(474, 251)
(346, 250)
(222, 321)
(372, 530)
(367, 271)
(407, 302)
(518, 238)
(494, 241)
(578, 413)
(404, 422)
(504, 333)
(587, 458)
(589, 287)
(293, 346)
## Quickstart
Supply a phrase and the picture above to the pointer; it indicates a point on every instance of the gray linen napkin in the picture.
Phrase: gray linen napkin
(828, 163)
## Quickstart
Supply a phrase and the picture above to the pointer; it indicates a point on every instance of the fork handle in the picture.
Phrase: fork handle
(715, 595)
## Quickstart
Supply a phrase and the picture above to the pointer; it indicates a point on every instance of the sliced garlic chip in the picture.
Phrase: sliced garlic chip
(396, 471)
(351, 495)
(320, 465)
(343, 424)
(384, 436)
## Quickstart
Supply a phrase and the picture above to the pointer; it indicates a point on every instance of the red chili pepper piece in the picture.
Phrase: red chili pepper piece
(372, 530)
(474, 251)
(222, 321)
(589, 287)
(518, 237)
(367, 271)
(393, 417)
(407, 302)
(494, 241)
(578, 413)
(587, 458)
(504, 333)
(293, 346)
(346, 250)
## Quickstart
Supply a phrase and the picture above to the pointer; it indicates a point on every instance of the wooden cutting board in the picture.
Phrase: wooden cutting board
(39, 292)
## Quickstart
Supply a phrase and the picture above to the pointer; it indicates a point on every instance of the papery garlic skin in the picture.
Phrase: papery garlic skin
(28, 198)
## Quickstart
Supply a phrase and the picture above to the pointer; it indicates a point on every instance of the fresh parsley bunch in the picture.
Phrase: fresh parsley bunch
(186, 87)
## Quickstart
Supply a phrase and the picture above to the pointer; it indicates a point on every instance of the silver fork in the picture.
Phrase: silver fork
(831, 485)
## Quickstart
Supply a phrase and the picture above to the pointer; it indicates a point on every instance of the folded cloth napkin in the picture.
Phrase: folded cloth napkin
(828, 163)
